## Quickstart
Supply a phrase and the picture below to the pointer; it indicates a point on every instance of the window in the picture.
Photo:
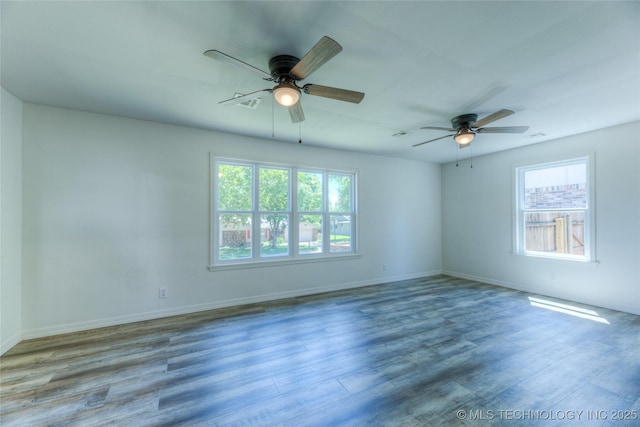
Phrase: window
(265, 212)
(554, 209)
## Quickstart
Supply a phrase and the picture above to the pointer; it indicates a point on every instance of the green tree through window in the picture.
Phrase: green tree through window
(274, 204)
(310, 208)
(257, 216)
(340, 208)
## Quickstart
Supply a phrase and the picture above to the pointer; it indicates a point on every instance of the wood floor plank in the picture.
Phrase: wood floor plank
(405, 353)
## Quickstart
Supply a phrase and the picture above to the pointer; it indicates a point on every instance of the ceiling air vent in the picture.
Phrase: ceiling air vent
(401, 133)
(251, 103)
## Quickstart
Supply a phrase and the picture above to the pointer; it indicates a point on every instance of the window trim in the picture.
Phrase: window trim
(590, 215)
(294, 257)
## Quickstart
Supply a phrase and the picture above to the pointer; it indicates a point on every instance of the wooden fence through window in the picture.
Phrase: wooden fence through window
(555, 232)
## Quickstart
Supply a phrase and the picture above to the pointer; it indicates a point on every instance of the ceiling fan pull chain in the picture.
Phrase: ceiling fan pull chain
(300, 133)
(273, 119)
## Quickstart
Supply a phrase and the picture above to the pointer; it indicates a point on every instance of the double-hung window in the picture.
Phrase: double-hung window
(266, 212)
(554, 209)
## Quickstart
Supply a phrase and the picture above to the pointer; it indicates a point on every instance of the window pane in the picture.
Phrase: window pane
(255, 214)
(274, 189)
(340, 237)
(234, 187)
(558, 187)
(234, 236)
(274, 239)
(339, 193)
(310, 191)
(310, 234)
(555, 232)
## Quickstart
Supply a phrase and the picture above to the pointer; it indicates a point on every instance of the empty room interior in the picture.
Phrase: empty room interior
(320, 213)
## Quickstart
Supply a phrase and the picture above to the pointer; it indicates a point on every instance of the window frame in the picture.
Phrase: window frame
(589, 211)
(294, 256)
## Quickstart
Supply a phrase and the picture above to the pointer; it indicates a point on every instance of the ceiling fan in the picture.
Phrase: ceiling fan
(285, 71)
(466, 126)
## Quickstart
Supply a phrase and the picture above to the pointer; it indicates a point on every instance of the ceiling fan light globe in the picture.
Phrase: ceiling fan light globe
(464, 137)
(286, 94)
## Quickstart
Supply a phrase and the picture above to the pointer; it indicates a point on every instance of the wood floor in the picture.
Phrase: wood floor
(431, 351)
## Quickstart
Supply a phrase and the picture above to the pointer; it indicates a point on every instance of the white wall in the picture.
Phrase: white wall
(115, 208)
(478, 221)
(10, 220)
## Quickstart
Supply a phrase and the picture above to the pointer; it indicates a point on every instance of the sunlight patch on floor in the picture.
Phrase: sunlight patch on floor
(567, 309)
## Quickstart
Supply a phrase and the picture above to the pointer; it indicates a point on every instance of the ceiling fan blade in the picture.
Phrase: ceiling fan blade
(438, 128)
(296, 113)
(507, 129)
(243, 98)
(334, 93)
(492, 118)
(431, 140)
(323, 51)
(223, 57)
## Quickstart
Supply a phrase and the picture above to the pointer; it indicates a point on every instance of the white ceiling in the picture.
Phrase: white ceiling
(563, 67)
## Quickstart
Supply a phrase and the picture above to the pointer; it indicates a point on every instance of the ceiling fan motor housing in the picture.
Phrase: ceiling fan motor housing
(464, 120)
(280, 65)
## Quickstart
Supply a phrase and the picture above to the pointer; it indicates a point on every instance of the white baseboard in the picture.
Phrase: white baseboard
(481, 279)
(175, 311)
(531, 290)
(8, 343)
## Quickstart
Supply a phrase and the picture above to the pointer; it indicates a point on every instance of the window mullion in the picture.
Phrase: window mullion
(294, 221)
(326, 217)
(256, 226)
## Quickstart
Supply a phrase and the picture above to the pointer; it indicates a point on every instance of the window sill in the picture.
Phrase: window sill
(281, 262)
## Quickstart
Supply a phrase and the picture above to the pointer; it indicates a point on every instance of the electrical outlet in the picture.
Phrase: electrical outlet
(384, 267)
(162, 293)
